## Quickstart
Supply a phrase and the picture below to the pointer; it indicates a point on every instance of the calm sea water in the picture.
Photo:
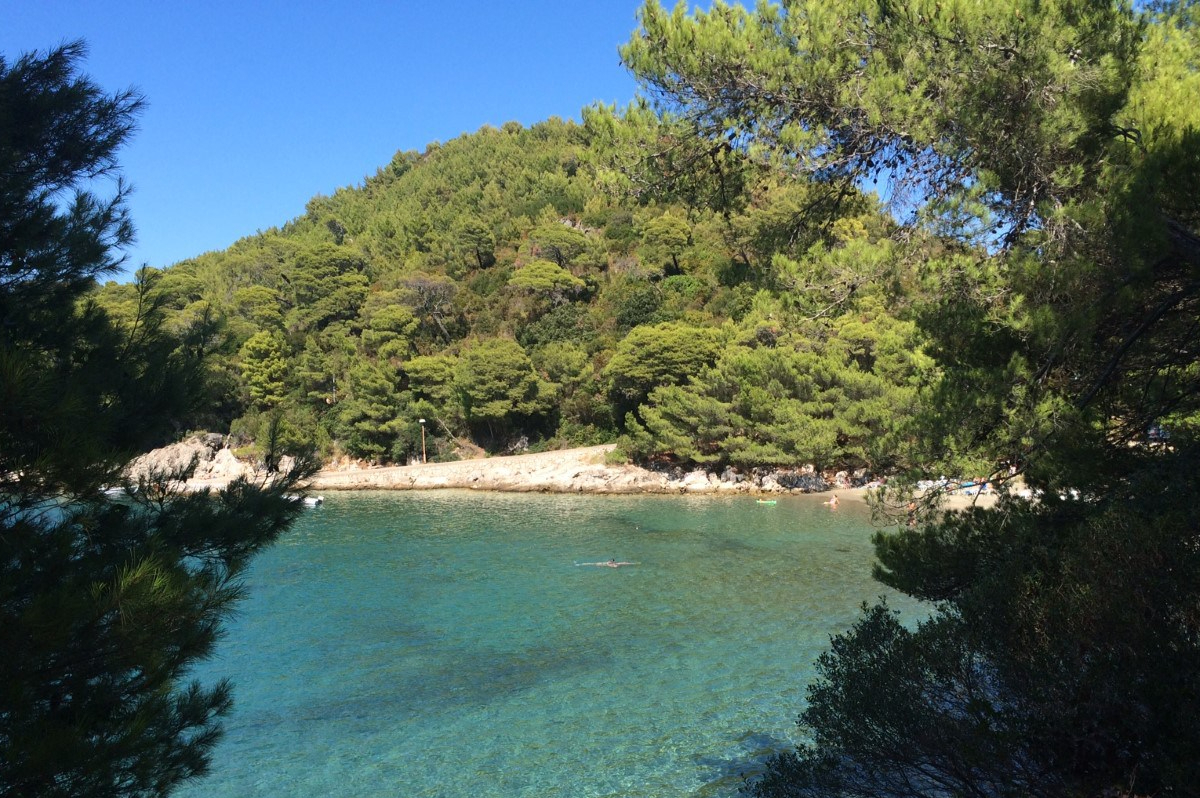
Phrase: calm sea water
(446, 644)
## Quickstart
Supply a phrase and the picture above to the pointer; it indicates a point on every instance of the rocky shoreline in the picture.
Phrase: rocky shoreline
(568, 471)
(582, 470)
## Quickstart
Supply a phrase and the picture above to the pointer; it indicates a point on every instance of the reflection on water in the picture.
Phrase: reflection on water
(445, 644)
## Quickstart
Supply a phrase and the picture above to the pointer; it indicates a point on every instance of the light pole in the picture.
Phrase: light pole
(422, 421)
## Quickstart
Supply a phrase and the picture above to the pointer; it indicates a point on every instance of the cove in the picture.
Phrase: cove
(446, 644)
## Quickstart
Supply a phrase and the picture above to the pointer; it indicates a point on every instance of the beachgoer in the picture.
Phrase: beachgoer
(610, 564)
(833, 503)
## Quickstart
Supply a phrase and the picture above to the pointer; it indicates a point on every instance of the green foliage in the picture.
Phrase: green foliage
(1041, 163)
(290, 428)
(652, 356)
(546, 279)
(475, 240)
(497, 386)
(327, 285)
(788, 217)
(664, 240)
(260, 304)
(559, 243)
(431, 377)
(839, 396)
(571, 322)
(632, 303)
(322, 365)
(651, 157)
(264, 368)
(106, 606)
(389, 328)
(1060, 662)
(584, 415)
(365, 417)
(557, 233)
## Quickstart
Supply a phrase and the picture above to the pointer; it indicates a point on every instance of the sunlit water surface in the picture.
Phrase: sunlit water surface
(446, 644)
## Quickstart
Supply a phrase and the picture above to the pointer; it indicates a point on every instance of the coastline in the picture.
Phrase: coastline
(583, 470)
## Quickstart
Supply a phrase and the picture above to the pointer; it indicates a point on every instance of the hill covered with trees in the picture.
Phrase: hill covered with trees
(564, 284)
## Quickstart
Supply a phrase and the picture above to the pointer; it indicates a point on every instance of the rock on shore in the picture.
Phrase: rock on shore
(215, 465)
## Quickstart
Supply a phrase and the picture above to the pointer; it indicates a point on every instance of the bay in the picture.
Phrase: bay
(448, 644)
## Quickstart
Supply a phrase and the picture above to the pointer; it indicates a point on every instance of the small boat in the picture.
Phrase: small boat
(767, 501)
(309, 501)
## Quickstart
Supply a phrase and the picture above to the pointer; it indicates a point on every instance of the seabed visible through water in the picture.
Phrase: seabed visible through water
(445, 644)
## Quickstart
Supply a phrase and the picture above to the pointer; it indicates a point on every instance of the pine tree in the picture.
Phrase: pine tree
(1043, 165)
(105, 603)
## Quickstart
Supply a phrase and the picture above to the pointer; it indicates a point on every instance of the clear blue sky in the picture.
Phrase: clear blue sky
(255, 107)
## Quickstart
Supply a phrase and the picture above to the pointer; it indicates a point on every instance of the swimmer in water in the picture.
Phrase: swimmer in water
(609, 564)
(833, 503)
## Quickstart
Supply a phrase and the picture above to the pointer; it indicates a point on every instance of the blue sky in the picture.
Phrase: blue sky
(255, 107)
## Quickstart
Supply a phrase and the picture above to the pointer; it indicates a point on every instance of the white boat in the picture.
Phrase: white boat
(309, 501)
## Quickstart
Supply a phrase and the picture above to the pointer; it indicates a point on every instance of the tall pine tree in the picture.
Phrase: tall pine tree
(1047, 148)
(105, 603)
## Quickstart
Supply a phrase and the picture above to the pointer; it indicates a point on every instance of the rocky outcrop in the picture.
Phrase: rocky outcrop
(205, 454)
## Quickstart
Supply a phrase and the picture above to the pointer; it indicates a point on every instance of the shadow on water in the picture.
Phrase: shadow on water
(724, 776)
(426, 687)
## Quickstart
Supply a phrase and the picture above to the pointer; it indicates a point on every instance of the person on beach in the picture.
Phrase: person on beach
(609, 564)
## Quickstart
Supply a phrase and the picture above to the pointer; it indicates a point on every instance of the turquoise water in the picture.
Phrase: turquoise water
(445, 644)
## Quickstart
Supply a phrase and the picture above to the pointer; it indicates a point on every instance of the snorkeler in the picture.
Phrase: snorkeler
(609, 564)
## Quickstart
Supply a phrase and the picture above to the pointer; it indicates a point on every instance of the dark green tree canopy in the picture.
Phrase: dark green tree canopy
(662, 354)
(496, 382)
(60, 132)
(557, 233)
(1045, 136)
(1042, 171)
(105, 604)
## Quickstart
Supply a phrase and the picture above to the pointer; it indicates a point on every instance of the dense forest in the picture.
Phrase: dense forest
(564, 284)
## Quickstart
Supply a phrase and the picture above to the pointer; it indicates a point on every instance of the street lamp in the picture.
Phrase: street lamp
(422, 421)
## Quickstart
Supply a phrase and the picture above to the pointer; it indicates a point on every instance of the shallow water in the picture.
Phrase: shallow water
(446, 644)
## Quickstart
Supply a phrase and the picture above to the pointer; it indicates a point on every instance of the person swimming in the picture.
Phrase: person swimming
(833, 503)
(609, 564)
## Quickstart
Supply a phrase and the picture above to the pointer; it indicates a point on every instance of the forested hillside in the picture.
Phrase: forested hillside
(563, 284)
